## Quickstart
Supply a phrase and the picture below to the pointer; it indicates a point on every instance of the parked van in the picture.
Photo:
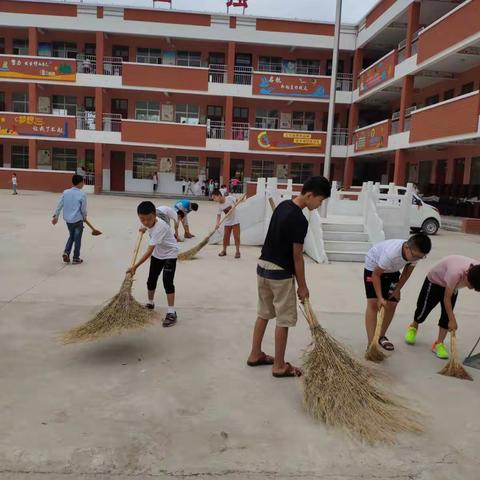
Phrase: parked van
(423, 217)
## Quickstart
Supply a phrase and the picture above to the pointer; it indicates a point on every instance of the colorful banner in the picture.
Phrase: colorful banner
(13, 124)
(372, 138)
(37, 68)
(290, 86)
(284, 140)
(378, 73)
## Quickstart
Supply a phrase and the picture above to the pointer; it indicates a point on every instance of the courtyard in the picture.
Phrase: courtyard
(181, 402)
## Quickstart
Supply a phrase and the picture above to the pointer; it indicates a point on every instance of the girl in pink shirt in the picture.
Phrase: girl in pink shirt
(441, 286)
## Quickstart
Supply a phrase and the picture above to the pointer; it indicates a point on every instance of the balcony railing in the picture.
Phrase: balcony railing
(217, 73)
(215, 129)
(344, 82)
(112, 66)
(240, 130)
(402, 47)
(112, 122)
(86, 63)
(242, 75)
(340, 136)
(86, 121)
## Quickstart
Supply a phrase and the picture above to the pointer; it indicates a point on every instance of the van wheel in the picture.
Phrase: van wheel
(430, 226)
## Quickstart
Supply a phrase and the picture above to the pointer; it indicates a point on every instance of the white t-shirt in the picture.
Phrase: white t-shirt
(167, 212)
(14, 180)
(233, 218)
(155, 179)
(386, 255)
(162, 238)
(223, 191)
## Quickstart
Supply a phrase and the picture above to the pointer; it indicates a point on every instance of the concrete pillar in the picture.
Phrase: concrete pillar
(357, 66)
(412, 26)
(7, 154)
(99, 52)
(98, 167)
(32, 41)
(230, 61)
(32, 154)
(8, 43)
(226, 168)
(99, 108)
(399, 172)
(406, 99)
(348, 172)
(467, 171)
(32, 97)
(228, 118)
(352, 121)
(450, 170)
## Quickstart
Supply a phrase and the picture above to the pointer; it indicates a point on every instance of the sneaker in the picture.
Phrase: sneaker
(411, 335)
(77, 261)
(439, 349)
(66, 257)
(150, 306)
(170, 319)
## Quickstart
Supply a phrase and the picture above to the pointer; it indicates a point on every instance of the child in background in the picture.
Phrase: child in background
(232, 224)
(14, 184)
(441, 286)
(383, 281)
(163, 252)
(185, 206)
(223, 190)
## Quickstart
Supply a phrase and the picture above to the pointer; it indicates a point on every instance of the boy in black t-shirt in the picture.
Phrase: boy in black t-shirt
(280, 264)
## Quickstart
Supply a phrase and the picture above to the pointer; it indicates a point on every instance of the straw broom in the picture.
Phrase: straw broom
(121, 313)
(344, 394)
(190, 254)
(454, 368)
(95, 232)
(374, 354)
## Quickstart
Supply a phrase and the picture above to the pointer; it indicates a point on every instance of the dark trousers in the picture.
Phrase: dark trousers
(75, 231)
(156, 266)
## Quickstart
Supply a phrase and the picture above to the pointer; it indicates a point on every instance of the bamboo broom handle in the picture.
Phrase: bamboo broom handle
(90, 225)
(378, 327)
(309, 315)
(272, 203)
(137, 248)
(231, 210)
(453, 344)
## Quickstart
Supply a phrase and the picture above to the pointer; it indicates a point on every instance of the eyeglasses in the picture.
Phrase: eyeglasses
(416, 257)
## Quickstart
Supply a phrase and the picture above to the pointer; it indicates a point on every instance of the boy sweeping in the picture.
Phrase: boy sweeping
(232, 224)
(163, 252)
(167, 213)
(280, 264)
(441, 286)
(383, 281)
(186, 206)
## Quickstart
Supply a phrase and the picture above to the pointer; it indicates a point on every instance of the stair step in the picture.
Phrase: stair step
(336, 256)
(336, 246)
(345, 236)
(342, 227)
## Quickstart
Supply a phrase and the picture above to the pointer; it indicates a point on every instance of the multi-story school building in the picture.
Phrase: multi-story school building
(123, 92)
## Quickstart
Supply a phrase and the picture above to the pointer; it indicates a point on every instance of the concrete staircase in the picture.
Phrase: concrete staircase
(345, 242)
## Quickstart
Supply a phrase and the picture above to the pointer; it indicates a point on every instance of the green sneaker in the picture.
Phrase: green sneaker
(411, 335)
(440, 350)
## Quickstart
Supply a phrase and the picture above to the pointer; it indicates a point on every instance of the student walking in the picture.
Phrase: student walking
(189, 187)
(232, 223)
(155, 181)
(74, 204)
(162, 251)
(183, 186)
(13, 181)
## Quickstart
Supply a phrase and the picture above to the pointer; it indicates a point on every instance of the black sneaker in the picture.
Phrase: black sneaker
(150, 306)
(77, 261)
(170, 319)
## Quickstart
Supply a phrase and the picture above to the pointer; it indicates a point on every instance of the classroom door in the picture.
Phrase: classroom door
(117, 171)
(458, 171)
(213, 168)
(441, 172)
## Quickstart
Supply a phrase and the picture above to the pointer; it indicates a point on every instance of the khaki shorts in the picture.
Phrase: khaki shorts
(277, 298)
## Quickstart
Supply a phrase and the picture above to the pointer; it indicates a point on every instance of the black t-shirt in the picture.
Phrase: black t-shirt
(287, 226)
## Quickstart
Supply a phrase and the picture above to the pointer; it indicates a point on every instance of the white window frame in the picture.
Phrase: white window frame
(147, 110)
(144, 165)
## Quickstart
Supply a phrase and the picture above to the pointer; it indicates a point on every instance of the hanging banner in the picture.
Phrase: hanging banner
(372, 138)
(13, 124)
(36, 68)
(290, 86)
(284, 140)
(379, 73)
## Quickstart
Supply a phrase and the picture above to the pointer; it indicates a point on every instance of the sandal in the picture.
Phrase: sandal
(290, 371)
(263, 360)
(222, 254)
(237, 255)
(386, 344)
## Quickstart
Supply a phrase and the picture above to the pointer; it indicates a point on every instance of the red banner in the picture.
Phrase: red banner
(14, 124)
(372, 138)
(237, 3)
(379, 73)
(284, 140)
(290, 85)
(37, 68)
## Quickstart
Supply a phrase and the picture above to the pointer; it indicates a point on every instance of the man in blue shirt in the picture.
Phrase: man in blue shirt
(74, 205)
(185, 206)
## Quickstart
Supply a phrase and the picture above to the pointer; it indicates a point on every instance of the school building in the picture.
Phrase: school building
(123, 92)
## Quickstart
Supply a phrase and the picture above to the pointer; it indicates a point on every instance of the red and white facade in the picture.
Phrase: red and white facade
(124, 92)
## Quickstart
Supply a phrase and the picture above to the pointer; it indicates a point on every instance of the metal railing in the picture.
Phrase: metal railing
(304, 70)
(112, 122)
(344, 82)
(240, 130)
(89, 178)
(112, 66)
(86, 121)
(270, 67)
(215, 129)
(340, 136)
(242, 75)
(217, 73)
(86, 63)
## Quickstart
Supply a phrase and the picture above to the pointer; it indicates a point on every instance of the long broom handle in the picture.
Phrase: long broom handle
(308, 314)
(90, 225)
(229, 213)
(137, 248)
(453, 345)
(378, 327)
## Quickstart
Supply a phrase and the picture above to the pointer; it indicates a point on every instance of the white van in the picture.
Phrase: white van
(423, 217)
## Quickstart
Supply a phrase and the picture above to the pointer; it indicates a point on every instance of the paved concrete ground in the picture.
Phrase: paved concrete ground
(181, 402)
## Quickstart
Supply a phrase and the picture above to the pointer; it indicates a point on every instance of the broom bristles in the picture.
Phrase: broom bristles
(121, 313)
(343, 393)
(192, 252)
(95, 232)
(454, 368)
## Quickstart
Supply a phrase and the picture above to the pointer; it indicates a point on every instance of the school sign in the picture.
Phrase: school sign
(286, 140)
(15, 125)
(37, 68)
(281, 85)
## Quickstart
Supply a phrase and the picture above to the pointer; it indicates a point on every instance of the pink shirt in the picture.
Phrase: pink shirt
(449, 272)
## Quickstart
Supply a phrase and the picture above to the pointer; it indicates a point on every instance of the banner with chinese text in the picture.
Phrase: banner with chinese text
(372, 138)
(284, 140)
(290, 85)
(14, 124)
(36, 68)
(378, 73)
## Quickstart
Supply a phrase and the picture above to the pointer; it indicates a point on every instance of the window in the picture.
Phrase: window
(215, 112)
(301, 172)
(144, 165)
(64, 159)
(90, 104)
(147, 111)
(329, 67)
(20, 47)
(2, 45)
(303, 121)
(149, 55)
(216, 58)
(240, 114)
(120, 51)
(262, 169)
(2, 101)
(467, 88)
(186, 167)
(308, 67)
(475, 171)
(189, 59)
(243, 59)
(266, 118)
(19, 156)
(187, 113)
(89, 160)
(66, 103)
(90, 49)
(270, 64)
(449, 94)
(20, 102)
(432, 100)
(64, 50)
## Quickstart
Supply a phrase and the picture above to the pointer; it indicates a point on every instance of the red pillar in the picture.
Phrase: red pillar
(230, 61)
(98, 167)
(412, 26)
(32, 154)
(357, 65)
(32, 41)
(348, 172)
(352, 121)
(228, 117)
(32, 87)
(99, 52)
(406, 99)
(226, 168)
(99, 108)
(400, 167)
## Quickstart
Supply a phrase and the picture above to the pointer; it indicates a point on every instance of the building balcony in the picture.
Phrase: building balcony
(372, 137)
(14, 125)
(378, 73)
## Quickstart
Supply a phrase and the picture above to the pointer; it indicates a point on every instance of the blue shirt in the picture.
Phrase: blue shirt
(74, 204)
(185, 205)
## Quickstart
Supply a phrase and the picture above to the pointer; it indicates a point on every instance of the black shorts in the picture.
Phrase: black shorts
(388, 281)
(156, 266)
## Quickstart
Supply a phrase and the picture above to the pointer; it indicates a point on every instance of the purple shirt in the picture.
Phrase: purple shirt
(448, 273)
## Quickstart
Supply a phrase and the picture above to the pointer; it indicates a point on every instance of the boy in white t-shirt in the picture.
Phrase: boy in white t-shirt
(163, 253)
(383, 281)
(232, 224)
(167, 213)
(14, 184)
